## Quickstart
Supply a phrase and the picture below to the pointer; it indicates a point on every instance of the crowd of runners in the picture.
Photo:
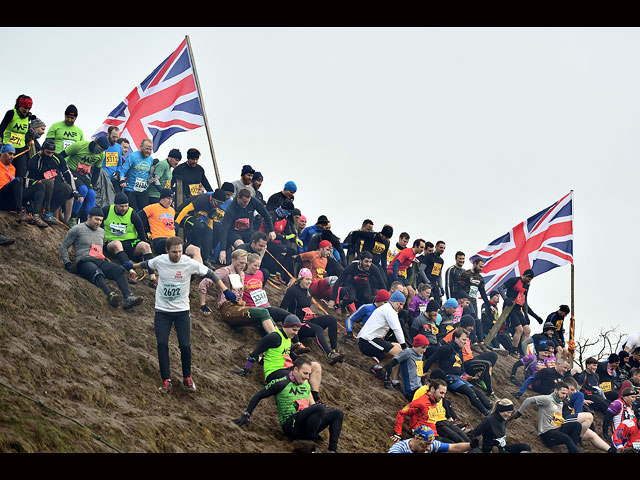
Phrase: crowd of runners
(134, 218)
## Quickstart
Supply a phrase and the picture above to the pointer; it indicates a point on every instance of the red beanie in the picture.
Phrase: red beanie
(382, 296)
(420, 340)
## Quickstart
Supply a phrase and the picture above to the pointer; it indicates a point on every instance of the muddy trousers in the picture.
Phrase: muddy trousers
(309, 422)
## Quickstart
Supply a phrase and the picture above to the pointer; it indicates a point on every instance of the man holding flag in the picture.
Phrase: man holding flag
(534, 246)
(514, 292)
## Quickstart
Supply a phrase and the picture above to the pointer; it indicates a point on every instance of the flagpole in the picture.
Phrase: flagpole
(572, 322)
(204, 113)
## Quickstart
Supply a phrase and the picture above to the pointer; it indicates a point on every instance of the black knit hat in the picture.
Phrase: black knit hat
(219, 195)
(103, 142)
(175, 153)
(228, 187)
(96, 212)
(71, 110)
(120, 199)
(432, 306)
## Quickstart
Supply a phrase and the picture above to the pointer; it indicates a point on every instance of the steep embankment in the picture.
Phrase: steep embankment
(62, 345)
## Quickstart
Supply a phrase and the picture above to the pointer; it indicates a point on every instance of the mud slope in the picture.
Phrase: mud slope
(62, 345)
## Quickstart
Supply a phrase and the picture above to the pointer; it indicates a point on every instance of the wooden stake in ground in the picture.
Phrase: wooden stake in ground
(496, 326)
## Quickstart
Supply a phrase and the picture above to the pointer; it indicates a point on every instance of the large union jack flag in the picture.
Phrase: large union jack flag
(166, 102)
(542, 242)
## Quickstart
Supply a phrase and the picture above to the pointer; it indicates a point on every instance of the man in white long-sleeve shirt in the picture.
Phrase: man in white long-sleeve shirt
(371, 337)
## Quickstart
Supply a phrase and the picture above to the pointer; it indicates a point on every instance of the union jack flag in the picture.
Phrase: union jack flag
(542, 242)
(166, 102)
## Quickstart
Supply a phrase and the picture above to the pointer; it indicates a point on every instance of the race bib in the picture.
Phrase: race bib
(320, 272)
(168, 223)
(288, 363)
(502, 441)
(458, 362)
(171, 290)
(241, 224)
(259, 297)
(16, 139)
(434, 329)
(66, 143)
(217, 218)
(50, 174)
(308, 313)
(111, 159)
(302, 403)
(436, 269)
(83, 168)
(167, 184)
(636, 446)
(378, 248)
(118, 229)
(96, 251)
(520, 299)
(558, 420)
(448, 328)
(402, 273)
(419, 370)
(194, 188)
(423, 308)
(605, 386)
(473, 292)
(140, 185)
(235, 281)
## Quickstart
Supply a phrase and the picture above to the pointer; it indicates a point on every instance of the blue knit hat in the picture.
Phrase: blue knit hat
(397, 296)
(425, 433)
(6, 148)
(451, 303)
(290, 186)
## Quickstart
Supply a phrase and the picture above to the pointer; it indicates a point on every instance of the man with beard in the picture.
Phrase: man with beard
(356, 283)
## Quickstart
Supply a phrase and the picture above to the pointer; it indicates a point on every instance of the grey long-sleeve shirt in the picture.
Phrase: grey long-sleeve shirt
(86, 242)
(549, 411)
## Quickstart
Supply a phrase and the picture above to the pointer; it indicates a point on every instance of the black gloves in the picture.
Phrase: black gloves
(247, 366)
(243, 420)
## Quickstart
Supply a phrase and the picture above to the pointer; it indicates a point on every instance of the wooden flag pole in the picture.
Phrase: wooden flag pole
(496, 326)
(204, 113)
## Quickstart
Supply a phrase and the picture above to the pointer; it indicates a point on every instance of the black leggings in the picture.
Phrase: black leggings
(96, 270)
(568, 434)
(278, 314)
(309, 422)
(162, 327)
(513, 448)
(35, 195)
(56, 193)
(482, 364)
(11, 196)
(452, 432)
(476, 397)
(314, 328)
(137, 200)
(350, 293)
(198, 233)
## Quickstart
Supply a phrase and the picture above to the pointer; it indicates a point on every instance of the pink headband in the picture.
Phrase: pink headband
(304, 273)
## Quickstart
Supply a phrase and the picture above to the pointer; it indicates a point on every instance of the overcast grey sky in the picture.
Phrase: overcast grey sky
(447, 133)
